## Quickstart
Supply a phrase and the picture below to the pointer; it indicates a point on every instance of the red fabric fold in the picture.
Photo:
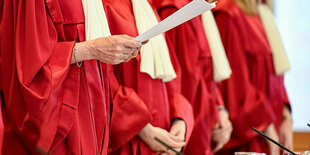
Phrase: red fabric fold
(254, 95)
(46, 98)
(129, 114)
(137, 88)
(239, 92)
(196, 78)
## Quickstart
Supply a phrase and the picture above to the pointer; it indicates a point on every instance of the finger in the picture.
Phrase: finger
(217, 147)
(139, 48)
(218, 132)
(161, 152)
(127, 60)
(178, 149)
(125, 36)
(164, 152)
(135, 53)
(124, 50)
(120, 57)
(287, 143)
(173, 131)
(162, 148)
(110, 60)
(217, 125)
(129, 42)
(227, 129)
(170, 152)
(145, 42)
(177, 138)
(175, 144)
(219, 137)
(113, 54)
(281, 139)
(114, 62)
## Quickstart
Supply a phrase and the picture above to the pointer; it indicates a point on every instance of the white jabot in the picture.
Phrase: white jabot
(280, 59)
(155, 58)
(221, 67)
(96, 23)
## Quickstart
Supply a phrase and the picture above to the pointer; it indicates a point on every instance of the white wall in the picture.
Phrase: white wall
(293, 19)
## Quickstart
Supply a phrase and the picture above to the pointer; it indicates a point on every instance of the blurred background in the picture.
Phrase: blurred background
(293, 20)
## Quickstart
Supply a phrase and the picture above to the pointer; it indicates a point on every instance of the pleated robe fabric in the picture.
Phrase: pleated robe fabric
(137, 98)
(254, 95)
(48, 104)
(198, 86)
(1, 128)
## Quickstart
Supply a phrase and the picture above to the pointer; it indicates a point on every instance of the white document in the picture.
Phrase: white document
(191, 10)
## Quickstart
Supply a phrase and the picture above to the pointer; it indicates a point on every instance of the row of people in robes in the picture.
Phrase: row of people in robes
(73, 82)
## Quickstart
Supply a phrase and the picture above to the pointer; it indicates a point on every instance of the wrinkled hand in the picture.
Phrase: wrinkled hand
(148, 133)
(222, 131)
(272, 133)
(112, 50)
(178, 129)
(286, 129)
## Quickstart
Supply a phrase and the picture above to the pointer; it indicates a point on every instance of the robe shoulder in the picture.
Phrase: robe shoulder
(228, 7)
(168, 3)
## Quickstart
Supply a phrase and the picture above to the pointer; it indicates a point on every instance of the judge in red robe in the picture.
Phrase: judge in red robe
(48, 104)
(138, 100)
(254, 95)
(198, 86)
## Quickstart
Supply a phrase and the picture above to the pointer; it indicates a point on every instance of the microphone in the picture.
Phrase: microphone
(168, 146)
(268, 138)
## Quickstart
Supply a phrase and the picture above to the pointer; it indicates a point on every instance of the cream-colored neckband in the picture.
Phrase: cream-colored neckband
(280, 59)
(221, 67)
(155, 58)
(96, 24)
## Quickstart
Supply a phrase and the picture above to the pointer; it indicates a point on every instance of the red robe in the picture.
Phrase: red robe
(1, 127)
(50, 105)
(137, 98)
(198, 86)
(254, 95)
(1, 121)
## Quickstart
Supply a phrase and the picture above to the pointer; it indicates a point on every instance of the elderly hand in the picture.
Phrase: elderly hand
(112, 50)
(272, 133)
(178, 129)
(286, 129)
(222, 131)
(148, 133)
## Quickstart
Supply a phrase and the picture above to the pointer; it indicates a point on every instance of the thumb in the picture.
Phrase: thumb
(176, 138)
(282, 139)
(175, 143)
(174, 130)
(217, 147)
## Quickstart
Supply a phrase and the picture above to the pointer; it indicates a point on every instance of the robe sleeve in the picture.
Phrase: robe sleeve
(41, 88)
(129, 114)
(248, 107)
(219, 98)
(180, 106)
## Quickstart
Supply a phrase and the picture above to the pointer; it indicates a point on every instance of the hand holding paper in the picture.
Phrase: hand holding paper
(191, 10)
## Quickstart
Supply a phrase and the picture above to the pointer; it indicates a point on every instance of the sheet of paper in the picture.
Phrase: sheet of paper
(191, 10)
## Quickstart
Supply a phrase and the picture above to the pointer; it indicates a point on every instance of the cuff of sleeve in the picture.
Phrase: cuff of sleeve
(129, 116)
(67, 78)
(182, 109)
